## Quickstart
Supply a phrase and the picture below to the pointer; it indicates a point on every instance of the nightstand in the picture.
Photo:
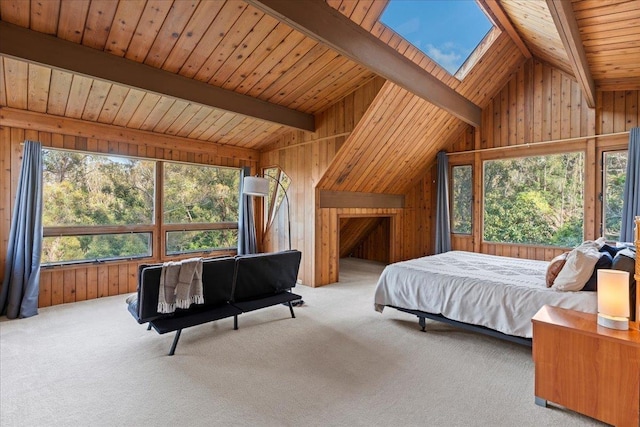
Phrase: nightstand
(585, 367)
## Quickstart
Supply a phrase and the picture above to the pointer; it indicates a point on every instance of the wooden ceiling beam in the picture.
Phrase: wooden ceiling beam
(319, 21)
(50, 51)
(567, 25)
(500, 18)
(42, 122)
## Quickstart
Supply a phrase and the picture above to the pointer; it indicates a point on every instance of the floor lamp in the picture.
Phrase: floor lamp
(259, 186)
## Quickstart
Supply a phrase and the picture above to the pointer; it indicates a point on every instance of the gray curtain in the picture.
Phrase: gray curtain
(443, 227)
(21, 283)
(631, 195)
(247, 242)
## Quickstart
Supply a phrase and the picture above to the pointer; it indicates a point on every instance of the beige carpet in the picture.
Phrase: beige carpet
(338, 363)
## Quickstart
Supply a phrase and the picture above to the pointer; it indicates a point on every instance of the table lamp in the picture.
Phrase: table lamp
(613, 299)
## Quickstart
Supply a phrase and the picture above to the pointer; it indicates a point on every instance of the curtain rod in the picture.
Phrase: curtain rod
(534, 144)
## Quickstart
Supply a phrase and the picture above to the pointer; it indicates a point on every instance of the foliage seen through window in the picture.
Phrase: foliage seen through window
(535, 200)
(462, 199)
(614, 174)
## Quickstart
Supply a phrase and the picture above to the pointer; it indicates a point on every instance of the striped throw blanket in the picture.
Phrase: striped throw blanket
(180, 285)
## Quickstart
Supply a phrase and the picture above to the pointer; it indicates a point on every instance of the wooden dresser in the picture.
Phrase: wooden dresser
(586, 367)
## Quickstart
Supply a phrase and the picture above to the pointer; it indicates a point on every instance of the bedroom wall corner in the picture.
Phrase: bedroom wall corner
(540, 104)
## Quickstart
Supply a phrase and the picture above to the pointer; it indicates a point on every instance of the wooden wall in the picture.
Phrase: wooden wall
(542, 104)
(410, 229)
(76, 283)
(376, 245)
(304, 157)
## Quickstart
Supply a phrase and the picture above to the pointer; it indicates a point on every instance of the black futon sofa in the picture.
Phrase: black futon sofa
(231, 286)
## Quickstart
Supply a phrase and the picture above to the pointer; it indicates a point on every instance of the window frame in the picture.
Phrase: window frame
(451, 198)
(166, 228)
(601, 190)
(157, 229)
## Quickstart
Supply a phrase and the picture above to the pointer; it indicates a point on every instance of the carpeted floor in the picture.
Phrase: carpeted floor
(338, 363)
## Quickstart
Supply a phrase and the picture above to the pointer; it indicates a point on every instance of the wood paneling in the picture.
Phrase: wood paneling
(409, 231)
(533, 22)
(38, 89)
(76, 283)
(389, 151)
(400, 133)
(353, 231)
(48, 123)
(541, 104)
(610, 34)
(304, 157)
(227, 44)
(318, 21)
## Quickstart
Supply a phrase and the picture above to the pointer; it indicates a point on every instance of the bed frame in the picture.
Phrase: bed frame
(423, 315)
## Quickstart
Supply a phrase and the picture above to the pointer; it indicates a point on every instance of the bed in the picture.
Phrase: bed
(486, 293)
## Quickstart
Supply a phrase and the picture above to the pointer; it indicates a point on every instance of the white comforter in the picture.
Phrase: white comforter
(497, 292)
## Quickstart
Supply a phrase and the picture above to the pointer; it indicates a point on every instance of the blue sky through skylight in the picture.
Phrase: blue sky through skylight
(448, 31)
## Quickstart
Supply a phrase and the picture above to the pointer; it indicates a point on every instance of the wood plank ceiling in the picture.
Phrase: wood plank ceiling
(610, 32)
(228, 44)
(533, 22)
(232, 45)
(611, 37)
(399, 136)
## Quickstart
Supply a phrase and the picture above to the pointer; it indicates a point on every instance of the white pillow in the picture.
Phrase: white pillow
(578, 269)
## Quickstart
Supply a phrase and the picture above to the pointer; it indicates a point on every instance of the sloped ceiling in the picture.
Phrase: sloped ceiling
(228, 44)
(610, 33)
(399, 136)
(533, 22)
(233, 46)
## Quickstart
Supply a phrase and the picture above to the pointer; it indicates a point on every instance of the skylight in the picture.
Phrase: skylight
(448, 31)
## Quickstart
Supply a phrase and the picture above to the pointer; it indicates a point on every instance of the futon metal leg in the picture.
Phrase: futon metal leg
(235, 322)
(423, 323)
(149, 327)
(541, 402)
(175, 342)
(291, 310)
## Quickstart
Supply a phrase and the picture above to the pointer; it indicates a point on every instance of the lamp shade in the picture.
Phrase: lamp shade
(613, 299)
(255, 186)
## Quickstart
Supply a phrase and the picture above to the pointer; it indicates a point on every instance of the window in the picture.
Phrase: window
(96, 207)
(447, 31)
(200, 207)
(462, 199)
(535, 200)
(613, 177)
(100, 207)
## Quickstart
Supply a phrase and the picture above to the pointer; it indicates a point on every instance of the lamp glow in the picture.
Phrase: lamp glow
(613, 299)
